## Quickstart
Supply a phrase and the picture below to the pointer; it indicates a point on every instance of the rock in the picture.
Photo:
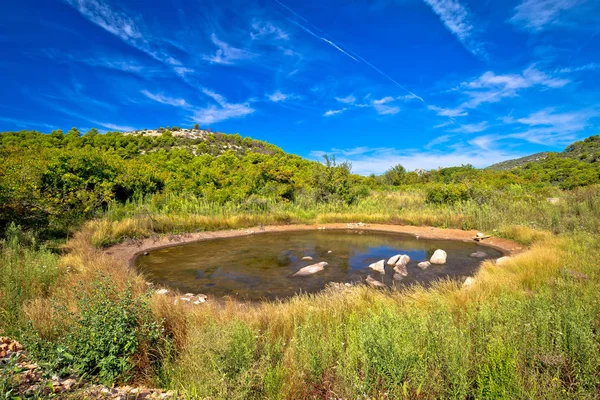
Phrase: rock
(469, 281)
(424, 264)
(374, 282)
(308, 258)
(553, 200)
(438, 257)
(478, 254)
(311, 269)
(189, 295)
(330, 251)
(403, 260)
(201, 299)
(162, 291)
(146, 253)
(393, 260)
(400, 269)
(479, 235)
(69, 384)
(379, 266)
(502, 260)
(186, 299)
(398, 277)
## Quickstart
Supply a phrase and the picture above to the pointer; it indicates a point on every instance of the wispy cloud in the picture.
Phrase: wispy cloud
(550, 127)
(225, 110)
(278, 96)
(378, 160)
(122, 26)
(586, 67)
(471, 128)
(160, 98)
(329, 113)
(536, 15)
(324, 39)
(350, 99)
(457, 19)
(114, 127)
(25, 123)
(262, 29)
(448, 112)
(226, 54)
(383, 107)
(491, 88)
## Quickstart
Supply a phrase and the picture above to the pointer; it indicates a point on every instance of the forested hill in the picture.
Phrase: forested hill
(587, 150)
(58, 180)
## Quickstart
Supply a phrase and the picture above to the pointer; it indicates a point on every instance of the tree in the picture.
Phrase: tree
(395, 175)
(196, 126)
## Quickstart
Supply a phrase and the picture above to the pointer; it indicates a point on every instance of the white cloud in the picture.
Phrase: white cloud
(350, 99)
(213, 114)
(457, 20)
(377, 161)
(182, 71)
(586, 67)
(471, 128)
(226, 54)
(108, 125)
(382, 107)
(279, 96)
(443, 124)
(160, 98)
(329, 113)
(550, 127)
(263, 29)
(122, 26)
(448, 112)
(491, 88)
(535, 15)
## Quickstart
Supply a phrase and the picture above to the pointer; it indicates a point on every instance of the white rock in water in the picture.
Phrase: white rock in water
(311, 269)
(308, 258)
(375, 283)
(379, 266)
(162, 291)
(502, 260)
(438, 257)
(469, 281)
(480, 235)
(400, 269)
(479, 254)
(424, 264)
(393, 260)
(403, 260)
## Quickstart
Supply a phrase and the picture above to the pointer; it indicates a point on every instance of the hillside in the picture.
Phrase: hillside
(587, 150)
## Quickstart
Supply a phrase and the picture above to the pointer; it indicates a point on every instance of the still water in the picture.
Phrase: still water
(262, 266)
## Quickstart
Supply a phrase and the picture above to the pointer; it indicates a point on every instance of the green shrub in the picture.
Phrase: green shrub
(103, 336)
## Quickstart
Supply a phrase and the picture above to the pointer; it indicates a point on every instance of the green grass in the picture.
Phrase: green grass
(526, 329)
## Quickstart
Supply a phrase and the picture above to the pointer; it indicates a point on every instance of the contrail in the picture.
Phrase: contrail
(353, 56)
(322, 38)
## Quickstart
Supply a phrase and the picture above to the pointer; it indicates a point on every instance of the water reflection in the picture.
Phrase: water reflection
(261, 266)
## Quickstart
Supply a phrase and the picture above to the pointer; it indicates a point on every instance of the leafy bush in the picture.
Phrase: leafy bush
(102, 338)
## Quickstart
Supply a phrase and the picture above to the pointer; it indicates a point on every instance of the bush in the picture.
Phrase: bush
(103, 337)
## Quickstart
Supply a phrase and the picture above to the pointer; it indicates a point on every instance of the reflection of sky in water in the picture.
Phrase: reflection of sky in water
(373, 254)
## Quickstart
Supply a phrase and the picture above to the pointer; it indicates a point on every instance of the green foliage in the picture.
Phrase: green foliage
(101, 338)
(27, 271)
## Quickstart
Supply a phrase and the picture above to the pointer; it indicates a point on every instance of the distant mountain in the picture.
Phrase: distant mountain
(587, 150)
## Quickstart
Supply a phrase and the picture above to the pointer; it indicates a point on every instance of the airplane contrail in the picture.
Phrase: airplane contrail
(356, 57)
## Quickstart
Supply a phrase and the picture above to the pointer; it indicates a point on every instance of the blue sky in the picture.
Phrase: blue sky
(424, 83)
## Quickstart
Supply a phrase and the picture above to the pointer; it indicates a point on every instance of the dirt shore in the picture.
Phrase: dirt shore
(127, 252)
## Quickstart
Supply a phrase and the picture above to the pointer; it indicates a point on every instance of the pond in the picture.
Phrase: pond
(262, 266)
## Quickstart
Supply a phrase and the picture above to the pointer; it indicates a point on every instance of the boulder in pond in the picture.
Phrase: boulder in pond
(479, 254)
(424, 264)
(469, 281)
(311, 269)
(400, 269)
(379, 266)
(438, 257)
(403, 260)
(375, 283)
(398, 277)
(502, 260)
(307, 258)
(393, 260)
